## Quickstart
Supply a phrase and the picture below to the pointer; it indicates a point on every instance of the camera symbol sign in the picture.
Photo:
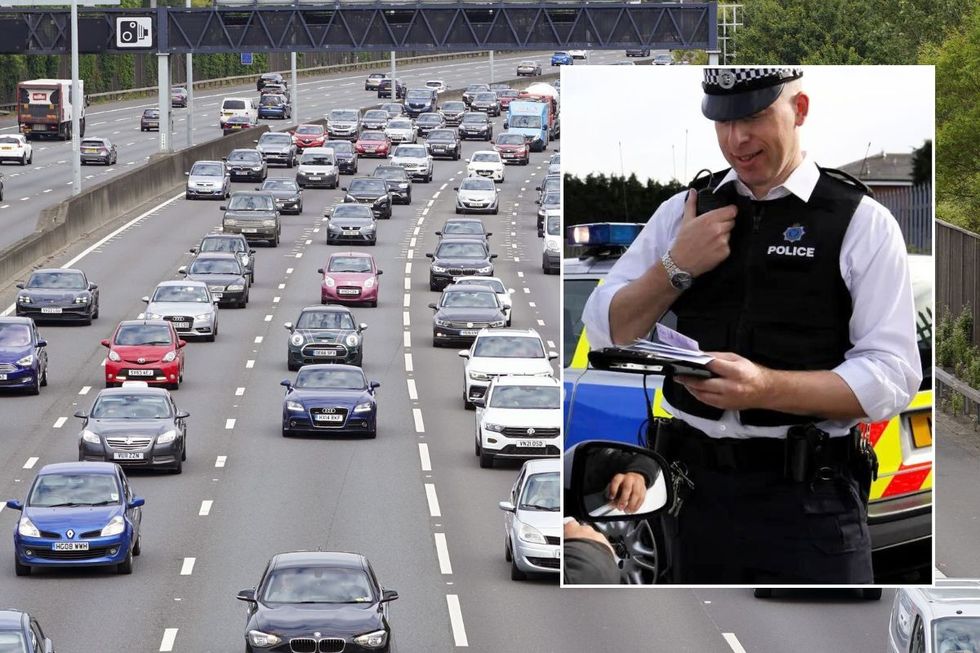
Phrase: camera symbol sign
(134, 32)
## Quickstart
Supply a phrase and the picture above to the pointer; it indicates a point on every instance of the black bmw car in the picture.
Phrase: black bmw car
(345, 155)
(246, 164)
(223, 272)
(352, 223)
(372, 192)
(324, 334)
(399, 183)
(135, 427)
(444, 144)
(234, 243)
(476, 125)
(462, 311)
(57, 295)
(288, 194)
(318, 602)
(458, 257)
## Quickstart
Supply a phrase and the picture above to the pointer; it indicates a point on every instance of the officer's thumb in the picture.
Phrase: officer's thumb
(691, 205)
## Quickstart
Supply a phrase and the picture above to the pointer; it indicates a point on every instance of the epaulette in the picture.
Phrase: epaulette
(845, 178)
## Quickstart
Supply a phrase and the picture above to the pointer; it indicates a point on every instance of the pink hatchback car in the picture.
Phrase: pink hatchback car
(350, 278)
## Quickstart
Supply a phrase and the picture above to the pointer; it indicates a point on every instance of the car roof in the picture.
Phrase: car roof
(352, 254)
(182, 282)
(148, 322)
(448, 220)
(327, 308)
(957, 599)
(78, 467)
(218, 255)
(131, 390)
(519, 379)
(467, 287)
(262, 193)
(75, 270)
(224, 236)
(542, 465)
(517, 333)
(11, 619)
(458, 238)
(206, 161)
(13, 319)
(318, 558)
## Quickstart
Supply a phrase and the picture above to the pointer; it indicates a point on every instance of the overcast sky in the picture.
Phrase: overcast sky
(654, 110)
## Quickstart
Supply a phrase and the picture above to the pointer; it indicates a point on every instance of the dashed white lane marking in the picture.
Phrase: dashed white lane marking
(540, 322)
(309, 242)
(31, 462)
(411, 243)
(239, 391)
(443, 187)
(268, 318)
(413, 392)
(47, 190)
(406, 319)
(229, 423)
(551, 344)
(456, 619)
(220, 461)
(85, 390)
(442, 550)
(513, 245)
(249, 364)
(281, 286)
(410, 254)
(520, 274)
(408, 363)
(733, 642)
(430, 496)
(187, 568)
(527, 291)
(517, 260)
(419, 425)
(58, 423)
(435, 196)
(424, 457)
(205, 508)
(258, 340)
(407, 301)
(299, 254)
(531, 304)
(169, 637)
(289, 270)
(408, 283)
(408, 268)
(275, 300)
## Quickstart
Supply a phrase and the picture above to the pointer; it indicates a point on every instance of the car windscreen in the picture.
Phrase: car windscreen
(472, 88)
(340, 147)
(275, 139)
(476, 183)
(375, 114)
(250, 203)
(419, 94)
(508, 347)
(342, 114)
(133, 406)
(493, 284)
(246, 156)
(194, 294)
(317, 585)
(486, 156)
(309, 129)
(541, 492)
(486, 97)
(74, 489)
(349, 264)
(475, 117)
(132, 335)
(233, 104)
(461, 250)
(454, 106)
(467, 227)
(372, 136)
(12, 642)
(215, 266)
(280, 184)
(510, 139)
(330, 378)
(222, 245)
(207, 170)
(59, 280)
(446, 135)
(390, 172)
(368, 186)
(325, 320)
(956, 634)
(525, 122)
(551, 197)
(554, 225)
(399, 124)
(509, 92)
(314, 159)
(526, 396)
(350, 210)
(413, 152)
(426, 118)
(469, 299)
(575, 292)
(15, 335)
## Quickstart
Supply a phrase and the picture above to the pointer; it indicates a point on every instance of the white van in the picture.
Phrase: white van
(237, 106)
(940, 619)
(318, 167)
(551, 247)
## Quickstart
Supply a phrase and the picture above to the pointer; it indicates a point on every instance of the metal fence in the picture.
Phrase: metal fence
(957, 271)
(912, 207)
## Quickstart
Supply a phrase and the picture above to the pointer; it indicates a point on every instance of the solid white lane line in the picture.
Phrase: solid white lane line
(419, 425)
(187, 568)
(205, 508)
(169, 636)
(258, 340)
(408, 363)
(442, 550)
(413, 392)
(424, 457)
(85, 390)
(229, 423)
(733, 642)
(220, 461)
(31, 462)
(239, 391)
(249, 364)
(456, 619)
(58, 423)
(434, 511)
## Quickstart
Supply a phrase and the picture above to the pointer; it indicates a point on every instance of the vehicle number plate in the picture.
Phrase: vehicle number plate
(3, 377)
(329, 417)
(469, 332)
(314, 178)
(70, 546)
(48, 309)
(324, 352)
(140, 373)
(250, 230)
(349, 291)
(217, 295)
(533, 444)
(921, 424)
(127, 455)
(182, 325)
(89, 150)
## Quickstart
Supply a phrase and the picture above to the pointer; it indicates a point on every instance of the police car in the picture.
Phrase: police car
(610, 405)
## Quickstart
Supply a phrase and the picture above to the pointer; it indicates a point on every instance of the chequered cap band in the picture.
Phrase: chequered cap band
(727, 81)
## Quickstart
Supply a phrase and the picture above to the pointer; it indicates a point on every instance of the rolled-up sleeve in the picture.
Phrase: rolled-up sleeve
(646, 250)
(883, 367)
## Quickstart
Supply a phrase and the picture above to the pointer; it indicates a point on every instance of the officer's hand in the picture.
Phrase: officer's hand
(702, 241)
(740, 384)
(627, 491)
(576, 531)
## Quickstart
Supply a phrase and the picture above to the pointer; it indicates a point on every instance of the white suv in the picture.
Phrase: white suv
(14, 147)
(237, 106)
(518, 417)
(497, 352)
(415, 159)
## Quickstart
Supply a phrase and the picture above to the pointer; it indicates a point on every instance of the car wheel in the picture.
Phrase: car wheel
(515, 573)
(286, 433)
(34, 389)
(486, 460)
(179, 467)
(637, 550)
(21, 570)
(507, 555)
(299, 209)
(44, 377)
(95, 315)
(211, 336)
(138, 547)
(23, 159)
(126, 566)
(292, 367)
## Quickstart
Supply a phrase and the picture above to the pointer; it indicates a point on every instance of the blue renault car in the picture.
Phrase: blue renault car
(562, 59)
(330, 398)
(23, 359)
(80, 514)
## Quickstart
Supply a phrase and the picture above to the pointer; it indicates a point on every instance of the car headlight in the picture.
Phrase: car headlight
(498, 428)
(364, 408)
(438, 268)
(115, 526)
(296, 339)
(294, 405)
(487, 269)
(530, 534)
(263, 640)
(499, 323)
(442, 323)
(168, 357)
(333, 227)
(235, 287)
(89, 436)
(369, 283)
(81, 300)
(153, 316)
(479, 376)
(24, 299)
(551, 246)
(167, 437)
(351, 340)
(268, 223)
(381, 200)
(245, 259)
(369, 228)
(350, 198)
(26, 361)
(329, 282)
(203, 316)
(27, 528)
(376, 639)
(256, 168)
(231, 222)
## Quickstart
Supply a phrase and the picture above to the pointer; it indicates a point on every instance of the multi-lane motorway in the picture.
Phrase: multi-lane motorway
(414, 500)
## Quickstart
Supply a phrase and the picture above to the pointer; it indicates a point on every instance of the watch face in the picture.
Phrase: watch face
(681, 280)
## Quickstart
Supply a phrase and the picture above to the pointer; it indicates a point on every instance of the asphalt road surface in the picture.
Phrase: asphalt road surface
(957, 518)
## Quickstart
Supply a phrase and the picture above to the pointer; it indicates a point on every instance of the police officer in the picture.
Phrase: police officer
(796, 281)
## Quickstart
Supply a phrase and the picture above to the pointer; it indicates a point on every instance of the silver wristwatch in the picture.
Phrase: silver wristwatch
(679, 279)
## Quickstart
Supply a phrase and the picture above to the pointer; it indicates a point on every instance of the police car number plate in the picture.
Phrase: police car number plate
(127, 455)
(48, 309)
(533, 444)
(140, 373)
(324, 352)
(70, 546)
(329, 417)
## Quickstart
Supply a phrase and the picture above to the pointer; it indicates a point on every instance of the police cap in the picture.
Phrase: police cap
(733, 93)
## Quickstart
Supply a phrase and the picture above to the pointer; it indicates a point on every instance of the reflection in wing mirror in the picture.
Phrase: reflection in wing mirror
(362, 326)
(590, 465)
(288, 326)
(552, 355)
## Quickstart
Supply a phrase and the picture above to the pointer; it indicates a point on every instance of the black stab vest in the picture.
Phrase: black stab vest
(778, 299)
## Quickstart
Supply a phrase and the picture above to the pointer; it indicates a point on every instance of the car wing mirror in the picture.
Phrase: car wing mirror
(362, 326)
(478, 401)
(379, 272)
(41, 342)
(14, 504)
(552, 355)
(21, 285)
(506, 506)
(182, 269)
(389, 595)
(464, 353)
(433, 306)
(81, 414)
(288, 326)
(136, 502)
(181, 343)
(374, 384)
(286, 383)
(183, 414)
(145, 300)
(247, 595)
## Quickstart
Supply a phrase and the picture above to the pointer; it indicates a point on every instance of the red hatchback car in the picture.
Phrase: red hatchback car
(505, 96)
(373, 143)
(350, 278)
(145, 350)
(513, 148)
(306, 136)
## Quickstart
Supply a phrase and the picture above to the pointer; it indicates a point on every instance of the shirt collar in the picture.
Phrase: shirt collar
(800, 182)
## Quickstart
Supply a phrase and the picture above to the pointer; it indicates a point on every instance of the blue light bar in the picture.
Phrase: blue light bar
(603, 234)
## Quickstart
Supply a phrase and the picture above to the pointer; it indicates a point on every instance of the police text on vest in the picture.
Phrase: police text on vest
(791, 250)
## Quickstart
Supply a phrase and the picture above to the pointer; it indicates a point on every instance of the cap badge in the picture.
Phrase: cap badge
(726, 79)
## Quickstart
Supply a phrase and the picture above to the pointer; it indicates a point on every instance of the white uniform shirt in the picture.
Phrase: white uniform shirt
(882, 368)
